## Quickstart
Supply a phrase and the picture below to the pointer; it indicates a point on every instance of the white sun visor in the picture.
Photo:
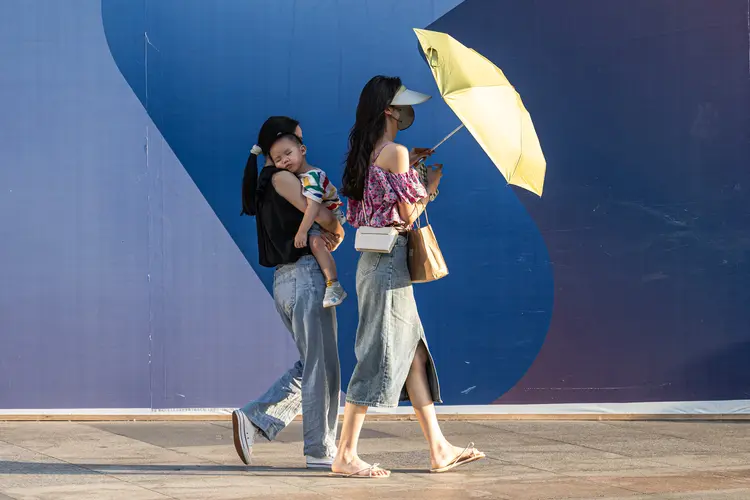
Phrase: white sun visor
(406, 97)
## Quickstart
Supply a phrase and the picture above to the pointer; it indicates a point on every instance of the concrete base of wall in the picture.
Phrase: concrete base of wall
(676, 410)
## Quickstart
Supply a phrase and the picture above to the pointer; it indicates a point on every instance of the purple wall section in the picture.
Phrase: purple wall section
(74, 301)
(120, 287)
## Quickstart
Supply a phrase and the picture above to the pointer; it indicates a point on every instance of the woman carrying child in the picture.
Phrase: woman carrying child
(313, 384)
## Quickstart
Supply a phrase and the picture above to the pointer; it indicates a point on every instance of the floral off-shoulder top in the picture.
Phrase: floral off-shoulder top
(383, 191)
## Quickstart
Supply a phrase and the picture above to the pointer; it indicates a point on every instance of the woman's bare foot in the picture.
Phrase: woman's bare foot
(449, 454)
(357, 468)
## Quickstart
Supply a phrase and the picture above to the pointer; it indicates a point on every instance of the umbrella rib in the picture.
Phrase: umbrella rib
(520, 150)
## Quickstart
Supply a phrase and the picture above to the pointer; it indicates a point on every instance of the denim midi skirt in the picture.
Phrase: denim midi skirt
(388, 332)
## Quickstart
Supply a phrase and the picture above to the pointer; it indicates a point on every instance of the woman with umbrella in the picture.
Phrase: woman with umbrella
(393, 361)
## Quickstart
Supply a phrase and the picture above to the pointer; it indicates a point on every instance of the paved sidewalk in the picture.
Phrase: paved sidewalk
(526, 460)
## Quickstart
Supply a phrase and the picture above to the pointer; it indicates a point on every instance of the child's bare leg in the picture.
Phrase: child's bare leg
(335, 293)
(323, 256)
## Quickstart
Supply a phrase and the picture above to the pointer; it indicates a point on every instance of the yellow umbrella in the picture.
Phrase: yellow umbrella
(488, 105)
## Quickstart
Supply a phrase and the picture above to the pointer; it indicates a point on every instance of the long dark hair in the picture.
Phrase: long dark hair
(368, 128)
(272, 129)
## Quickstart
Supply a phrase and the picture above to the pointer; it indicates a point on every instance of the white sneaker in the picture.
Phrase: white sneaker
(334, 296)
(245, 434)
(319, 463)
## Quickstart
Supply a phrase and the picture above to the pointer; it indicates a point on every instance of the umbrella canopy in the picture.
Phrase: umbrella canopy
(488, 106)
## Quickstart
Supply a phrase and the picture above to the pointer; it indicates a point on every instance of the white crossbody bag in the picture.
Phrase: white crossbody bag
(375, 239)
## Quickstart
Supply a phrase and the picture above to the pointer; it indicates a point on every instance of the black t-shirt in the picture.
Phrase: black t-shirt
(277, 221)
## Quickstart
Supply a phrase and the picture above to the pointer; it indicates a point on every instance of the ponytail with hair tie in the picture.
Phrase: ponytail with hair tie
(273, 127)
(250, 181)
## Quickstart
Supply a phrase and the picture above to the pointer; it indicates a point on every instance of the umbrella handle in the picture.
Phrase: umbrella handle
(448, 136)
(441, 142)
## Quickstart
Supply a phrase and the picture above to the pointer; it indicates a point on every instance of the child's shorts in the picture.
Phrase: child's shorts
(315, 230)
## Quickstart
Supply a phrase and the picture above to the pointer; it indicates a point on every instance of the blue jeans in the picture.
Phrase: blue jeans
(313, 384)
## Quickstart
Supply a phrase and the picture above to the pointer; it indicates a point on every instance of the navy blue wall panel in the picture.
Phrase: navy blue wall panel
(642, 108)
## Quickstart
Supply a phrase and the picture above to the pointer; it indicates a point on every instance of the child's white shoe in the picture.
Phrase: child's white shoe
(335, 295)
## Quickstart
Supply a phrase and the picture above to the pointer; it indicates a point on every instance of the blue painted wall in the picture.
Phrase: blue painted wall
(129, 279)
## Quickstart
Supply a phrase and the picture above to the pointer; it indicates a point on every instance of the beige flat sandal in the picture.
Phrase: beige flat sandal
(461, 459)
(360, 473)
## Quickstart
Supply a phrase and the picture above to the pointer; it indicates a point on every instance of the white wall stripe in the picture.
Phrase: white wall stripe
(735, 407)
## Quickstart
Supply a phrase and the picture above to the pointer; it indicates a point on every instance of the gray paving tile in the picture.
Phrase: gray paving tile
(742, 494)
(176, 434)
(223, 487)
(111, 491)
(685, 481)
(626, 439)
(736, 462)
(21, 468)
(206, 433)
(730, 436)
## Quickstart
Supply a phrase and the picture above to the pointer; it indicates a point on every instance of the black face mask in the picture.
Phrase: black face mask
(405, 116)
